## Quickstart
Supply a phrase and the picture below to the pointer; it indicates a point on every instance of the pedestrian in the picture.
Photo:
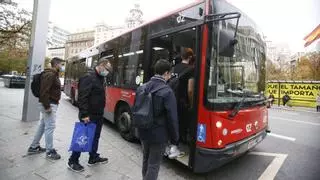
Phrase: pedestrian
(49, 96)
(271, 99)
(318, 102)
(285, 99)
(184, 96)
(154, 139)
(91, 103)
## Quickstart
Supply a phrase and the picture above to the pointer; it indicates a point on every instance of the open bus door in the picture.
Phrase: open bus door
(169, 46)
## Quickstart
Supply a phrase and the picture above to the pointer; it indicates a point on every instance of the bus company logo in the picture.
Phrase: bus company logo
(256, 125)
(249, 127)
(236, 131)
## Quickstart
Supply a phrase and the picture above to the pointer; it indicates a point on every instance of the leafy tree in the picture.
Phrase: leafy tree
(308, 67)
(15, 32)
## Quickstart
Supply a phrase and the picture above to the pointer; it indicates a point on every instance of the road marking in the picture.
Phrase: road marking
(282, 137)
(303, 122)
(274, 166)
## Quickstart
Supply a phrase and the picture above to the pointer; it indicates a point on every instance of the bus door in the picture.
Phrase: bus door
(169, 47)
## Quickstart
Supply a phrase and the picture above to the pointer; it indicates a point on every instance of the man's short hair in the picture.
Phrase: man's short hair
(162, 66)
(104, 63)
(54, 61)
(187, 52)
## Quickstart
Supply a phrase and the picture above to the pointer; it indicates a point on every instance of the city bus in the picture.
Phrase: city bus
(229, 115)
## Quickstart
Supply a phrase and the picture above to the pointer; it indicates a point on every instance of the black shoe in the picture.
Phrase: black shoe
(76, 167)
(97, 160)
(36, 150)
(53, 155)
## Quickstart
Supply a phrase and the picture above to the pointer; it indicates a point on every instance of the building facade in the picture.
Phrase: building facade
(56, 52)
(78, 42)
(134, 18)
(103, 32)
(57, 37)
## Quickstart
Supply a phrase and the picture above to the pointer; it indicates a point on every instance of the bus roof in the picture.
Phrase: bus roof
(144, 24)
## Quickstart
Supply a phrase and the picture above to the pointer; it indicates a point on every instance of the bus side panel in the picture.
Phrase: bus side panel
(114, 95)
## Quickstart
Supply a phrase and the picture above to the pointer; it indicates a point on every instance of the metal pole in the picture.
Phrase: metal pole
(37, 53)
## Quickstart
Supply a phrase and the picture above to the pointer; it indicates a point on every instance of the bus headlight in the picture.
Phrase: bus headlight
(219, 143)
(218, 124)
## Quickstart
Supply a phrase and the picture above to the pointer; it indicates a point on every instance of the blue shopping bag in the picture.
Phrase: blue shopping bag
(82, 138)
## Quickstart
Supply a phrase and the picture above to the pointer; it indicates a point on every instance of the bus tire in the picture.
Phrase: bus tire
(123, 123)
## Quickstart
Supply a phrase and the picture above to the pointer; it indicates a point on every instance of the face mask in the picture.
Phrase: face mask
(104, 73)
(61, 68)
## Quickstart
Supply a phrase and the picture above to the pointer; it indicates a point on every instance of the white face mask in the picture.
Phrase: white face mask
(61, 68)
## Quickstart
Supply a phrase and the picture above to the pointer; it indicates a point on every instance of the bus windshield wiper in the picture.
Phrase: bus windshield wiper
(245, 95)
(237, 107)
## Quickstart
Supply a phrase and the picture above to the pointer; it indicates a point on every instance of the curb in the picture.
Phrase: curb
(294, 109)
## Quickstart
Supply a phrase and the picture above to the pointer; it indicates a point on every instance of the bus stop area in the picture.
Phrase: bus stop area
(291, 151)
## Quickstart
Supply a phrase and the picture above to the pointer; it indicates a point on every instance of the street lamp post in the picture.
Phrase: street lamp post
(36, 59)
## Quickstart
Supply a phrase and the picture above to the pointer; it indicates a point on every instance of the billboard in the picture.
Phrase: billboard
(301, 94)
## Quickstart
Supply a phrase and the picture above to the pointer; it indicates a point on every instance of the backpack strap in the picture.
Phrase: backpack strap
(157, 89)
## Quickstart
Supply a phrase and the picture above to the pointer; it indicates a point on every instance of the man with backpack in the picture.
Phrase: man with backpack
(47, 87)
(155, 116)
(91, 103)
(184, 90)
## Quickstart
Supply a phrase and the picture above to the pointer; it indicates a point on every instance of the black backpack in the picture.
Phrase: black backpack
(174, 82)
(35, 84)
(142, 111)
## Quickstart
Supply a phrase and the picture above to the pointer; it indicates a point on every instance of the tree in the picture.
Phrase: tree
(308, 67)
(15, 32)
(15, 26)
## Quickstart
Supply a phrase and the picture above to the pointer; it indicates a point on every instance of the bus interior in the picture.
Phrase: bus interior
(170, 47)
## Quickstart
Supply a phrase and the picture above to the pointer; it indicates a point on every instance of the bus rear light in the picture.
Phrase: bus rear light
(225, 131)
(219, 143)
(219, 124)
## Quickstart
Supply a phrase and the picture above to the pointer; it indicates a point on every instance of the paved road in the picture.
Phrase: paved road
(292, 151)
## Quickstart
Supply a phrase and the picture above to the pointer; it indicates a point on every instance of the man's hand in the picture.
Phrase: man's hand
(86, 119)
(48, 111)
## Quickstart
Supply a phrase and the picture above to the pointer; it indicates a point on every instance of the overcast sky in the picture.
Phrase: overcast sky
(280, 20)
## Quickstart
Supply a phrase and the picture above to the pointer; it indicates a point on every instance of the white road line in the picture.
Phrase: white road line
(282, 137)
(303, 122)
(274, 166)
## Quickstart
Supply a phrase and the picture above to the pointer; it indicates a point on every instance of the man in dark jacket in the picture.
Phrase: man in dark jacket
(154, 140)
(50, 92)
(91, 102)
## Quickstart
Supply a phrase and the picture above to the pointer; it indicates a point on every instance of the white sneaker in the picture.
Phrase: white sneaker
(174, 152)
(167, 151)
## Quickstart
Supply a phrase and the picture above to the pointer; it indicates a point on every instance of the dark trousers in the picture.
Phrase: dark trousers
(98, 120)
(152, 157)
(318, 108)
(184, 122)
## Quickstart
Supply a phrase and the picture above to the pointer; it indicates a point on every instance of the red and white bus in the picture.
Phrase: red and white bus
(229, 115)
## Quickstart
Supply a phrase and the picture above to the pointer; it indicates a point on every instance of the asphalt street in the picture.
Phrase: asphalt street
(291, 151)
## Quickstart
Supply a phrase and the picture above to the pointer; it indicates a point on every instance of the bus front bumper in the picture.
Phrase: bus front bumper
(209, 159)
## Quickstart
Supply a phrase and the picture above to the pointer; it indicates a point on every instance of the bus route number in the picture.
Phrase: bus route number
(180, 19)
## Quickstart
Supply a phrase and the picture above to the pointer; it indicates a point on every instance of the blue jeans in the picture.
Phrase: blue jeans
(47, 125)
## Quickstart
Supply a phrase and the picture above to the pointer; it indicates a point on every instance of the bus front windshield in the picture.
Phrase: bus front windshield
(230, 75)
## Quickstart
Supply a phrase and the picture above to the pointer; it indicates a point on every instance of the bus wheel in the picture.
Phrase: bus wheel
(124, 124)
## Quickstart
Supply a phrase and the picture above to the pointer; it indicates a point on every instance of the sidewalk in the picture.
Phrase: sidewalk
(125, 158)
(302, 109)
